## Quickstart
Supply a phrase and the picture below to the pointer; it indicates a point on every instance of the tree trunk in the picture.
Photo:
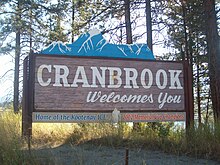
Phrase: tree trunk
(149, 25)
(73, 18)
(128, 22)
(17, 60)
(30, 26)
(198, 94)
(213, 50)
(207, 108)
(187, 56)
(136, 126)
(186, 47)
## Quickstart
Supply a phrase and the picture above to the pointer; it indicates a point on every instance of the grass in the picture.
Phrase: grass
(10, 139)
(201, 142)
(51, 134)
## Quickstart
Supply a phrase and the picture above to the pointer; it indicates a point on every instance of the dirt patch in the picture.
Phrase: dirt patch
(89, 154)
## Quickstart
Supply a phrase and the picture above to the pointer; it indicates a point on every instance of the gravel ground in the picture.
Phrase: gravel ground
(87, 154)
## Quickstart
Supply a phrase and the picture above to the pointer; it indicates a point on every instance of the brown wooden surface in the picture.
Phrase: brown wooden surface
(25, 121)
(52, 98)
(28, 95)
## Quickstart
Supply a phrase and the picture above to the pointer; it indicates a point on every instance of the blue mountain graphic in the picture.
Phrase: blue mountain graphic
(93, 44)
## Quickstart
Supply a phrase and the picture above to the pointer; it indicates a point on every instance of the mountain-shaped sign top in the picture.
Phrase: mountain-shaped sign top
(93, 44)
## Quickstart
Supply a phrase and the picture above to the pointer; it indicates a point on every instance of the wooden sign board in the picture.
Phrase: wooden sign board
(55, 88)
(64, 117)
(76, 84)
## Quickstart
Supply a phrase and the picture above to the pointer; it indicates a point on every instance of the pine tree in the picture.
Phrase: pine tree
(26, 20)
(213, 51)
(185, 22)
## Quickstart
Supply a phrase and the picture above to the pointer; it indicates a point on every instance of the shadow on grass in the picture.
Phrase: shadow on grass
(109, 150)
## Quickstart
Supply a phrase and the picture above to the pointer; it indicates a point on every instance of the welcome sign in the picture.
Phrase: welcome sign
(91, 80)
(68, 84)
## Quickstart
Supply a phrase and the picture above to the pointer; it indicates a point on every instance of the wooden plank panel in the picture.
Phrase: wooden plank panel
(101, 98)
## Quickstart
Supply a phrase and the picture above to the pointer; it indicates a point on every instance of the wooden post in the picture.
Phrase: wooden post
(188, 94)
(31, 90)
(126, 156)
(28, 95)
(25, 124)
(191, 99)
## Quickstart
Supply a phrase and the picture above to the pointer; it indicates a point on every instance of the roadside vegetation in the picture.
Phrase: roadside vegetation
(201, 142)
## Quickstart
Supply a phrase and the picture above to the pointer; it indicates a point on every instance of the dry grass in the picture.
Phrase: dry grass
(51, 134)
(10, 139)
(200, 142)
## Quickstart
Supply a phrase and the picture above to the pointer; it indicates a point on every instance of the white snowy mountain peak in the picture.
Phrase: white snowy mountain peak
(92, 43)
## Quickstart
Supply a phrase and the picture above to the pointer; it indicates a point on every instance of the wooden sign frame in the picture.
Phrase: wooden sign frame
(35, 96)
